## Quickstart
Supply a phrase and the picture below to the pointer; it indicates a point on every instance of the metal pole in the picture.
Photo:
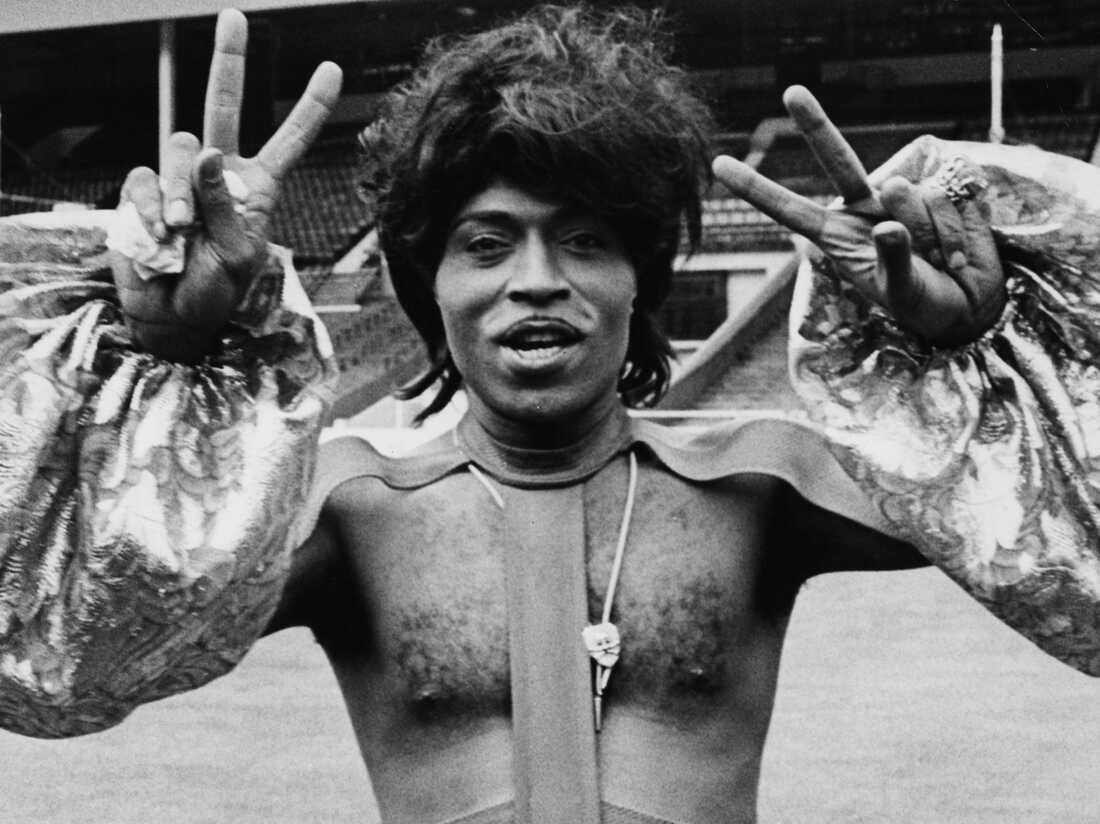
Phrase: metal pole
(166, 72)
(996, 82)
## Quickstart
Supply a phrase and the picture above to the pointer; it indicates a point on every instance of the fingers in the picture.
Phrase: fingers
(304, 121)
(206, 297)
(948, 223)
(179, 200)
(797, 213)
(903, 201)
(918, 295)
(932, 218)
(165, 202)
(142, 189)
(895, 256)
(225, 87)
(977, 267)
(225, 90)
(952, 237)
(229, 234)
(837, 158)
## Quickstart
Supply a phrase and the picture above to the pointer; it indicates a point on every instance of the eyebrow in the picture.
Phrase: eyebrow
(485, 215)
(504, 216)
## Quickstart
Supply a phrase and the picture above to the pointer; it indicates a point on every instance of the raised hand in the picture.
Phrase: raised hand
(179, 317)
(950, 292)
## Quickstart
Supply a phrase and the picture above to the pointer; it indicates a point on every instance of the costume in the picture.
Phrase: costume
(146, 505)
(984, 456)
(117, 464)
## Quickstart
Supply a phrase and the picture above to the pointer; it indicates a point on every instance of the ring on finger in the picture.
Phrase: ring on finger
(960, 180)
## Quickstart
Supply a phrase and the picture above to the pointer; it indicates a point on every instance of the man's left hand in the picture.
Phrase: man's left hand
(930, 260)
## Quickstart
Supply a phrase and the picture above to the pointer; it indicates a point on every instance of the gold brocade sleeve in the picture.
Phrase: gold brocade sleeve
(985, 457)
(145, 506)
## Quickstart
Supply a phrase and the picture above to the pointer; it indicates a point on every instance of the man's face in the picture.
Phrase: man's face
(536, 298)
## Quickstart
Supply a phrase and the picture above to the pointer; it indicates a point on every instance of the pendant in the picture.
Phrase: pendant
(603, 643)
(604, 646)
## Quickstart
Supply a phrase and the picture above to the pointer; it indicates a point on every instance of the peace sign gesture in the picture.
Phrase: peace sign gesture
(949, 293)
(180, 317)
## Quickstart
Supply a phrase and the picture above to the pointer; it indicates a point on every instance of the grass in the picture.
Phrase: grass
(900, 701)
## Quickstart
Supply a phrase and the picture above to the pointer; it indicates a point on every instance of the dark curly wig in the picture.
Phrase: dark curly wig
(570, 104)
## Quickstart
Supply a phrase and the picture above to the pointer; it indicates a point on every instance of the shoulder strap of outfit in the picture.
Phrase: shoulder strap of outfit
(784, 448)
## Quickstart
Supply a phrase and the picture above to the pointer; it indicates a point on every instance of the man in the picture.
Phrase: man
(553, 614)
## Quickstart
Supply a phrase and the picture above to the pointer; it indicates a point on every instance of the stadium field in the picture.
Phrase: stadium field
(900, 701)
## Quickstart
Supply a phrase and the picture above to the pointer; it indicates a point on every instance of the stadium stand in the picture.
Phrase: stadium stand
(36, 190)
(321, 213)
(376, 349)
(753, 375)
(756, 379)
(1072, 134)
(852, 59)
(915, 28)
(320, 217)
(731, 225)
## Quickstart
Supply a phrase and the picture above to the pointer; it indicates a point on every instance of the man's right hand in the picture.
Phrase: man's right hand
(181, 317)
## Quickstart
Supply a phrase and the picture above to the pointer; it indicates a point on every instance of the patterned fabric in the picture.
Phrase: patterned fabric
(609, 814)
(144, 505)
(986, 456)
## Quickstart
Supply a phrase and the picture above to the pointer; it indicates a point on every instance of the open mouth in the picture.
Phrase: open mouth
(540, 341)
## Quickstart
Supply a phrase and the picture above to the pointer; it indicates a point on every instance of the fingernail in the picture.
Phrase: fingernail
(177, 213)
(160, 231)
(957, 260)
(212, 172)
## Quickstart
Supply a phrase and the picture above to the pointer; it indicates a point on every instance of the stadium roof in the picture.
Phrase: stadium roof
(36, 15)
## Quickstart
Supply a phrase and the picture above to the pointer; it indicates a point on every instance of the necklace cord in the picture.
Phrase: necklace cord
(605, 650)
(624, 526)
(620, 547)
(484, 481)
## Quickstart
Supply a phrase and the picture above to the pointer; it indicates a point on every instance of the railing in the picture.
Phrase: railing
(721, 350)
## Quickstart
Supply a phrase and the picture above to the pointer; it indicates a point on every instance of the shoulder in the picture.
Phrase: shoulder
(787, 448)
(771, 445)
(344, 457)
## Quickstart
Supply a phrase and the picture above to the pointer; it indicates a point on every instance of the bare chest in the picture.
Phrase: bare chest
(432, 565)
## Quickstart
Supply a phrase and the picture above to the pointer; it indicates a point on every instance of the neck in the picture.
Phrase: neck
(547, 453)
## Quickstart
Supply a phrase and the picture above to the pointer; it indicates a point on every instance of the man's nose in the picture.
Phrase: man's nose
(537, 275)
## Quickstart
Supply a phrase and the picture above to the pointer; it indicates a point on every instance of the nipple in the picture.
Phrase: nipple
(700, 678)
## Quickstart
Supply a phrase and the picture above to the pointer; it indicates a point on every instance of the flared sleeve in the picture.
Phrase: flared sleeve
(145, 506)
(986, 457)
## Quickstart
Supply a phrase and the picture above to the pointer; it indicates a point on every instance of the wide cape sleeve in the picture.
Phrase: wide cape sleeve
(145, 506)
(986, 456)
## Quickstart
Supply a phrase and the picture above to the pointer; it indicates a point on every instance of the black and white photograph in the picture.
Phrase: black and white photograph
(510, 412)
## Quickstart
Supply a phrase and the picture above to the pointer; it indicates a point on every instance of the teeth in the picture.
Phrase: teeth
(539, 353)
(537, 343)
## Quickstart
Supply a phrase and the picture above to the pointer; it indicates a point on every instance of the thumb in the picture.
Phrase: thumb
(893, 245)
(920, 297)
(226, 230)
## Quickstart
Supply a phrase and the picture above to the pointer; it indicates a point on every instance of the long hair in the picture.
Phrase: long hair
(571, 105)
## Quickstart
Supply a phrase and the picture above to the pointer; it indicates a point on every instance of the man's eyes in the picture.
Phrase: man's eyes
(486, 245)
(494, 245)
(585, 241)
